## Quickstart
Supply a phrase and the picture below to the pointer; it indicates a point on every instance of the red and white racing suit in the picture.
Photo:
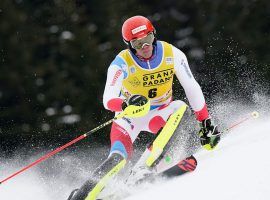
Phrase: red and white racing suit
(128, 75)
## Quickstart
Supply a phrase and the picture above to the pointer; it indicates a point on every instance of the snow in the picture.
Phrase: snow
(239, 168)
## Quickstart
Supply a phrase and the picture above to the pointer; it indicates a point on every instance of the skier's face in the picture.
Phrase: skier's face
(144, 45)
(146, 51)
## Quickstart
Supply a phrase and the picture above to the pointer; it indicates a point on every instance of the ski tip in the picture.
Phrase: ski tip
(185, 166)
(189, 164)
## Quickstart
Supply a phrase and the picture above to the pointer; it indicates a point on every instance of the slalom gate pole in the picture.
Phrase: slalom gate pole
(131, 111)
(252, 115)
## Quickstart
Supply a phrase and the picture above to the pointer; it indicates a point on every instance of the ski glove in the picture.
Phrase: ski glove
(136, 100)
(209, 134)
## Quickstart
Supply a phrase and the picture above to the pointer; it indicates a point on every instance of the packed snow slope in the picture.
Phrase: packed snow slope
(239, 168)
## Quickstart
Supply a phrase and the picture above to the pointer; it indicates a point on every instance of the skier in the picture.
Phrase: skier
(144, 72)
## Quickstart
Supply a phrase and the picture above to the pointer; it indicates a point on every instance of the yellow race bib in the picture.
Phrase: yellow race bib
(155, 84)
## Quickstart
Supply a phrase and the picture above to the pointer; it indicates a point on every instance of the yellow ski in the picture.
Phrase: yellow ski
(165, 135)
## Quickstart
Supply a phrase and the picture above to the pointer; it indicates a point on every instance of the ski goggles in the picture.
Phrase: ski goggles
(139, 43)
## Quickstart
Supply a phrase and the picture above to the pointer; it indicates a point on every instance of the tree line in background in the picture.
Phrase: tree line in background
(54, 56)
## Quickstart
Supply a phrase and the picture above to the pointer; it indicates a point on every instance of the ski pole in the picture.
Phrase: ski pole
(131, 111)
(252, 115)
(45, 157)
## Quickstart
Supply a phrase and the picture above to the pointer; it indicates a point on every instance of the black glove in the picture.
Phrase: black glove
(137, 100)
(209, 134)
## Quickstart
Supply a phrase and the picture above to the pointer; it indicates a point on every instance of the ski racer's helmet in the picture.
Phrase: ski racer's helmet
(138, 28)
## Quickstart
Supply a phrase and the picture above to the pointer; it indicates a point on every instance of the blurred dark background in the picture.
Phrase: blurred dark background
(54, 56)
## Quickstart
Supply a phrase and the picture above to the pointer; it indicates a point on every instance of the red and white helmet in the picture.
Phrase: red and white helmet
(136, 27)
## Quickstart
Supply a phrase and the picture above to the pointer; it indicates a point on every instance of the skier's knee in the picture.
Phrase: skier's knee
(121, 142)
(156, 123)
